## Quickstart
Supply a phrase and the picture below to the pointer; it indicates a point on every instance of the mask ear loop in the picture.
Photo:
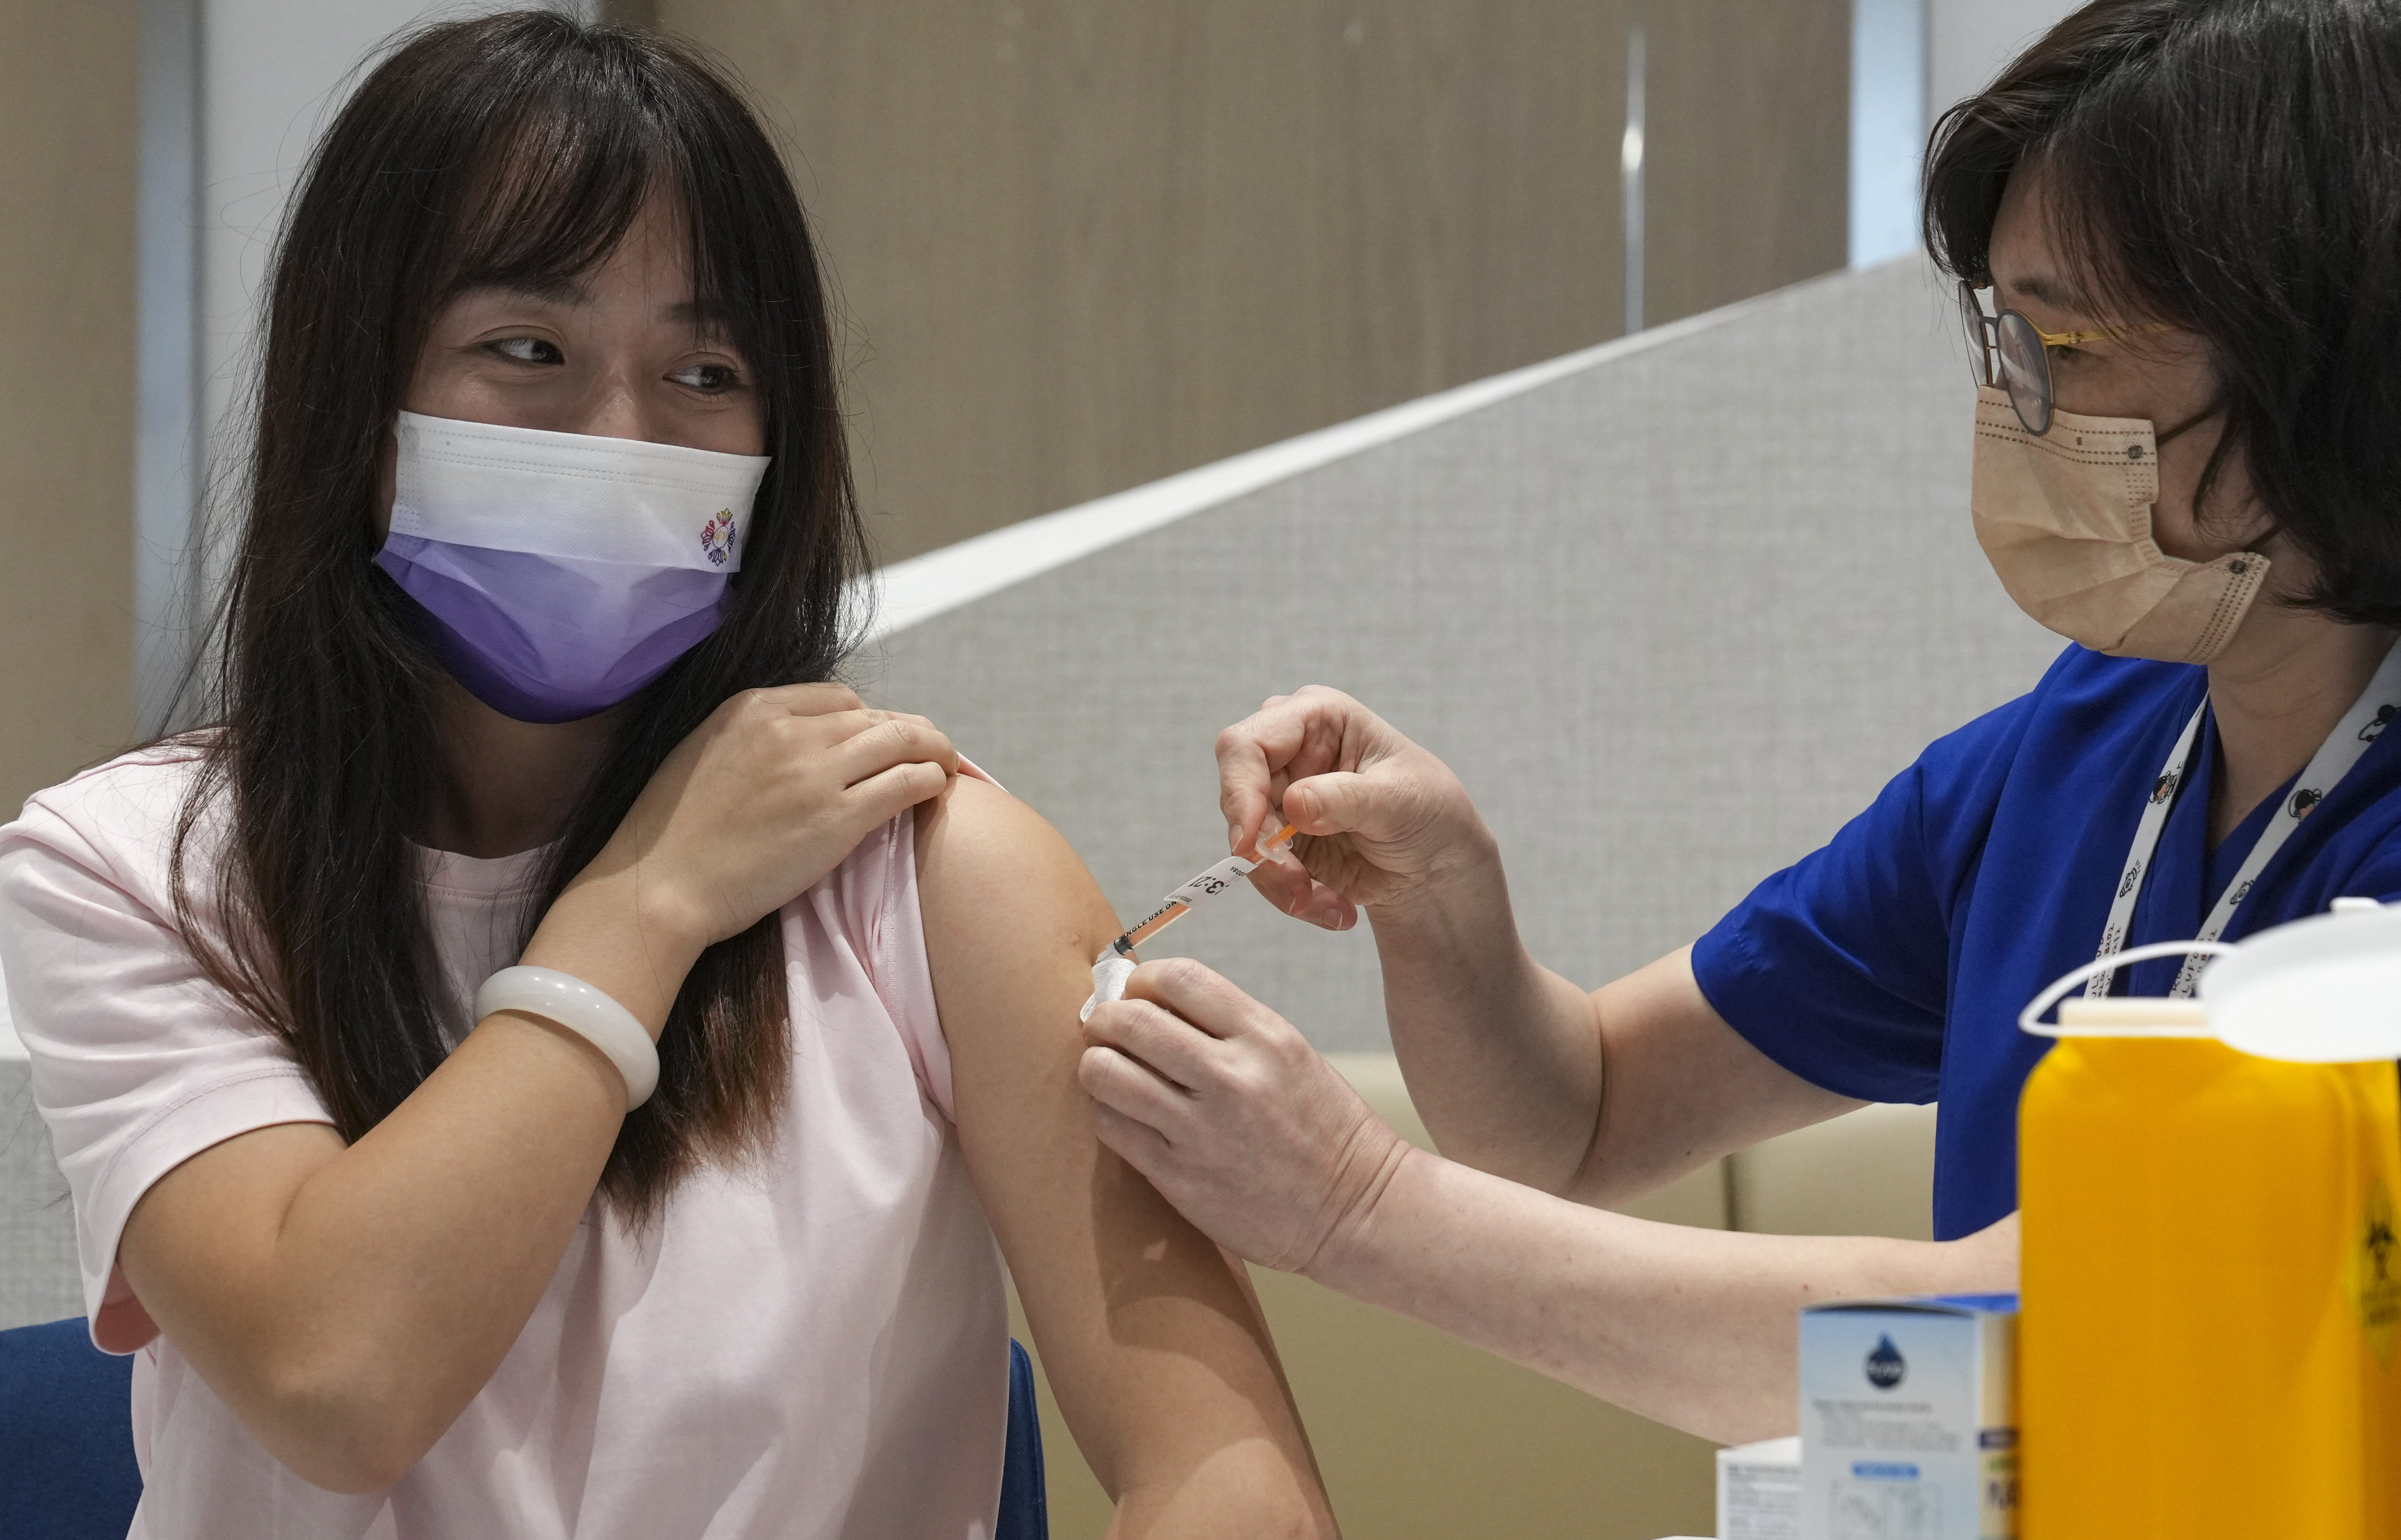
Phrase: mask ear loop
(2180, 430)
(2030, 1019)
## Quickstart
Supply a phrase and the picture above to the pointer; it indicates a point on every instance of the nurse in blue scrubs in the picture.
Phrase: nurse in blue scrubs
(2174, 228)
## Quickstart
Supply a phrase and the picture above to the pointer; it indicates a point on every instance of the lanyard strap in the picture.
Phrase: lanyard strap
(2377, 705)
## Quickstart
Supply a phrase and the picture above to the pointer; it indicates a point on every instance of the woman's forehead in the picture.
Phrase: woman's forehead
(651, 262)
(2024, 257)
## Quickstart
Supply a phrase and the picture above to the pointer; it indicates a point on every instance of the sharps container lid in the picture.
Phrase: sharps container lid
(2321, 991)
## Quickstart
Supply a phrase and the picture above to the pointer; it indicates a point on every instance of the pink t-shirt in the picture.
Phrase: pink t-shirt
(816, 1347)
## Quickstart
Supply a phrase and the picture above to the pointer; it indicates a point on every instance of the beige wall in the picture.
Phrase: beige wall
(1748, 149)
(67, 74)
(1082, 244)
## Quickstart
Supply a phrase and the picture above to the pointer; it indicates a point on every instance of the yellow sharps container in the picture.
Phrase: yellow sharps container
(2210, 1285)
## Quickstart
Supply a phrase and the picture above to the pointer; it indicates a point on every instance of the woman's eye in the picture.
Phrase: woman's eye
(709, 379)
(527, 351)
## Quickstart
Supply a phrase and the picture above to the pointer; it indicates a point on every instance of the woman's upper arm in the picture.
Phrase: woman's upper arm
(1148, 1333)
(199, 1239)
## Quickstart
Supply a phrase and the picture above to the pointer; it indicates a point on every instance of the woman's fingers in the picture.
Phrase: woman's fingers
(774, 790)
(828, 728)
(883, 798)
(893, 740)
(836, 708)
(820, 699)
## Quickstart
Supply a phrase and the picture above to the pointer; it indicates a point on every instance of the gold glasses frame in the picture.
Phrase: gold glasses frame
(2012, 353)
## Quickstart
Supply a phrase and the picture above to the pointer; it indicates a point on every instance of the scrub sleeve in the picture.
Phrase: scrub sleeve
(1891, 964)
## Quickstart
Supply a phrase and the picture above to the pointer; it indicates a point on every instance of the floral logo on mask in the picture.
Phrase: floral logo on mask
(717, 538)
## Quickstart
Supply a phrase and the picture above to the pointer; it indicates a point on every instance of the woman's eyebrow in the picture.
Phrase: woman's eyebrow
(564, 291)
(704, 322)
(2046, 289)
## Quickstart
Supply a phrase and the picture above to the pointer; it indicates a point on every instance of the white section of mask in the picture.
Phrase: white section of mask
(576, 496)
(1109, 976)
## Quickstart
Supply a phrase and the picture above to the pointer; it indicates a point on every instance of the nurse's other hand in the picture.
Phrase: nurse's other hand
(1380, 818)
(768, 795)
(1234, 1117)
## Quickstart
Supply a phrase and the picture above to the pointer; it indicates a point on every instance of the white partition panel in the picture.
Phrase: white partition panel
(1672, 617)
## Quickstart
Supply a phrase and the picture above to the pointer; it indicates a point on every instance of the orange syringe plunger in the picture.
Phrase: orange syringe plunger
(1216, 879)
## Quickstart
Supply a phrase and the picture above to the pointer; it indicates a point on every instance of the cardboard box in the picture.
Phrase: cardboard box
(1909, 1419)
(1758, 1490)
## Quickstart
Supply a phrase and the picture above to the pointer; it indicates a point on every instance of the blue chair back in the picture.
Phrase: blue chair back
(66, 1436)
(1024, 1506)
(66, 1441)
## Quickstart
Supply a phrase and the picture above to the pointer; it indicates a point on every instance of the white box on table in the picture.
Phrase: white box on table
(1758, 1490)
(1909, 1419)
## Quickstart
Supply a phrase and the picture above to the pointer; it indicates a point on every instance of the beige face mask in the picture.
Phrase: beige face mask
(2066, 520)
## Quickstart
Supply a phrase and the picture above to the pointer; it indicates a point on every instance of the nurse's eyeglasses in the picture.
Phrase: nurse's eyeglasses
(2013, 354)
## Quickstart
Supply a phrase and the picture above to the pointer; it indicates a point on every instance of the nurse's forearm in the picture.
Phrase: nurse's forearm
(1692, 1327)
(1502, 1056)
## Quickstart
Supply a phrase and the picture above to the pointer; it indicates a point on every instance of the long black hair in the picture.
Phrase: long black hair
(2233, 167)
(516, 150)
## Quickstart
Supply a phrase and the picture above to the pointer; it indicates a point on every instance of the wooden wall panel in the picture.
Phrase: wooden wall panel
(68, 70)
(1748, 149)
(1084, 243)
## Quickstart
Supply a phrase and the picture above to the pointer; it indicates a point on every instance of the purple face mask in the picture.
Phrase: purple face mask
(556, 574)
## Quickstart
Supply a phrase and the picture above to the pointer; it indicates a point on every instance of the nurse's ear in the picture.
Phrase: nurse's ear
(387, 485)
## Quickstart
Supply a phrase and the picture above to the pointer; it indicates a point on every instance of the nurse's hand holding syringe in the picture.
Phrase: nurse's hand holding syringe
(1498, 1050)
(1383, 823)
(1224, 1106)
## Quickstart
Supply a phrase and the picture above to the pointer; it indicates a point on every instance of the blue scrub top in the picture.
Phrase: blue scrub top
(1891, 965)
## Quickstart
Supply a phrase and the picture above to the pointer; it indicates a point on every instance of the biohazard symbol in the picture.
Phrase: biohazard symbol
(2375, 1271)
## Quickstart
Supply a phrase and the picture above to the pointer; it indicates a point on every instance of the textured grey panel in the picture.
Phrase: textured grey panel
(1672, 619)
(38, 1281)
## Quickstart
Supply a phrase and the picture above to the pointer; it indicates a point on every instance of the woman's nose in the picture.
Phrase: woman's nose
(614, 409)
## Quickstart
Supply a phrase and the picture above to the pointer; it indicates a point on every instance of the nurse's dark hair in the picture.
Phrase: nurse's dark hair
(2233, 167)
(515, 149)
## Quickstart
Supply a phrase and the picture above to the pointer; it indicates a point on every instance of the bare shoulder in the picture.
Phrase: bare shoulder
(974, 823)
(995, 876)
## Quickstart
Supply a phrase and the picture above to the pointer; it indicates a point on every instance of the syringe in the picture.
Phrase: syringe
(1209, 884)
